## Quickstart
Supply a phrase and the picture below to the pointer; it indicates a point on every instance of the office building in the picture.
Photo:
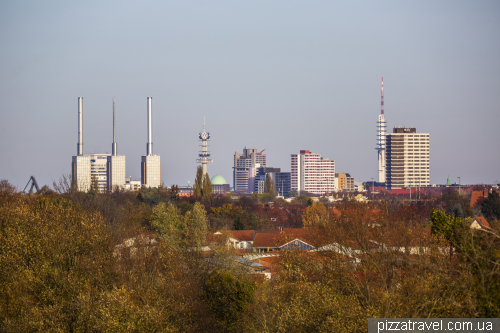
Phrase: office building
(116, 166)
(344, 182)
(312, 173)
(281, 180)
(407, 158)
(150, 163)
(245, 168)
(99, 170)
(80, 164)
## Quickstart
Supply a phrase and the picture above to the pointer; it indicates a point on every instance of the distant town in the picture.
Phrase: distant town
(403, 167)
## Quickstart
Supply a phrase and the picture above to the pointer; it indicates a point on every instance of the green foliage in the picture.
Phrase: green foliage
(444, 225)
(198, 182)
(238, 224)
(194, 228)
(269, 186)
(207, 190)
(227, 297)
(168, 222)
(491, 206)
(182, 231)
(458, 211)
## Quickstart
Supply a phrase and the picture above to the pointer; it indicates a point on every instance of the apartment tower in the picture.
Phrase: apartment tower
(407, 158)
(312, 173)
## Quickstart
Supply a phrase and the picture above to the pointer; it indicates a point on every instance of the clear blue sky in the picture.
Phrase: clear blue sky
(276, 75)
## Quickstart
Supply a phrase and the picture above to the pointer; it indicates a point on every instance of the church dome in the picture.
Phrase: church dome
(218, 180)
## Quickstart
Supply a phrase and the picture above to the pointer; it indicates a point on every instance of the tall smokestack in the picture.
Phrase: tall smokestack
(79, 147)
(113, 149)
(150, 127)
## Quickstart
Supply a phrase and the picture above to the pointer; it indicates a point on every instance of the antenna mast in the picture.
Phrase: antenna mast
(380, 147)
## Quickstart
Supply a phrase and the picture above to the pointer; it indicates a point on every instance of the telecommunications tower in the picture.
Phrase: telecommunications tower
(380, 147)
(204, 156)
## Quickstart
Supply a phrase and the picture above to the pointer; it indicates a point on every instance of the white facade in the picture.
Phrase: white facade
(135, 185)
(80, 169)
(407, 158)
(151, 171)
(99, 170)
(117, 170)
(312, 173)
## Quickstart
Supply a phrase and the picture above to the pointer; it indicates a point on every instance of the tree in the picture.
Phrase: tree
(316, 216)
(207, 191)
(167, 221)
(227, 297)
(269, 186)
(198, 182)
(194, 227)
(491, 206)
(238, 224)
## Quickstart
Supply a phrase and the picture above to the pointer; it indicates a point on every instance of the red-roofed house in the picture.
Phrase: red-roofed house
(479, 223)
(240, 239)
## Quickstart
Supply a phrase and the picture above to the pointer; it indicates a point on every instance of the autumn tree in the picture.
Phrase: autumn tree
(316, 216)
(198, 182)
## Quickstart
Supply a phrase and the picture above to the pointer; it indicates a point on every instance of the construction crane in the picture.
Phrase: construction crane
(33, 184)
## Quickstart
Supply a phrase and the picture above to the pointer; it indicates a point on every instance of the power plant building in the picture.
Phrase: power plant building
(245, 169)
(150, 163)
(116, 166)
(312, 173)
(407, 158)
(80, 164)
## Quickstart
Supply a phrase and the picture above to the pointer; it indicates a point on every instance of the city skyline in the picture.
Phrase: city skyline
(265, 75)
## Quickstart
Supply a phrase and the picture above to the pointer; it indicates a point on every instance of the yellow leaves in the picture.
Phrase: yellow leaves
(316, 216)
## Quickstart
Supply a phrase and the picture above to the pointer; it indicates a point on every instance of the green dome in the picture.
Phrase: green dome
(218, 180)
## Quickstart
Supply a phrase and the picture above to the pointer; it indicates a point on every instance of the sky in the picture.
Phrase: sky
(283, 76)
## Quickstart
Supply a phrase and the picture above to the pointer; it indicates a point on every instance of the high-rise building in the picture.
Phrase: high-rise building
(381, 125)
(407, 158)
(116, 166)
(245, 168)
(80, 164)
(204, 156)
(99, 170)
(281, 180)
(312, 173)
(150, 163)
